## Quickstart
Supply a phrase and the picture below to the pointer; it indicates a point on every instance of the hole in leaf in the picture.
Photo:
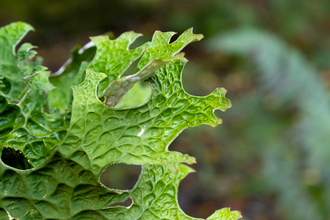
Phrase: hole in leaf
(199, 81)
(191, 198)
(198, 195)
(127, 203)
(131, 69)
(174, 38)
(120, 176)
(138, 42)
(15, 158)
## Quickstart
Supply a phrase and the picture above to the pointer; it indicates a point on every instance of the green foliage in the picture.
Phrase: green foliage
(70, 140)
(27, 123)
(289, 81)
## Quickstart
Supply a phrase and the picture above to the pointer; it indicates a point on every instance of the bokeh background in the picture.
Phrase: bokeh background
(270, 158)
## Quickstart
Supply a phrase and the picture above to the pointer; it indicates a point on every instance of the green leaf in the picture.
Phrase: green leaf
(28, 125)
(118, 88)
(225, 214)
(113, 57)
(39, 79)
(69, 74)
(156, 197)
(70, 142)
(12, 84)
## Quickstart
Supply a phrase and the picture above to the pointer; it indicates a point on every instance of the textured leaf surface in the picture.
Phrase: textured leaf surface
(118, 88)
(137, 95)
(70, 142)
(65, 77)
(27, 124)
(155, 197)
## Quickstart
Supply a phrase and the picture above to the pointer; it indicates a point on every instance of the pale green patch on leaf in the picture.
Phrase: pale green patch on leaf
(225, 214)
(72, 138)
(118, 88)
(137, 95)
(39, 80)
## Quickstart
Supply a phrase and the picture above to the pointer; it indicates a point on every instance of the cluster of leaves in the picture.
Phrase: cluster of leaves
(55, 142)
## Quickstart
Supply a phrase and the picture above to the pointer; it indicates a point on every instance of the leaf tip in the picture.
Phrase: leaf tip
(198, 36)
(226, 214)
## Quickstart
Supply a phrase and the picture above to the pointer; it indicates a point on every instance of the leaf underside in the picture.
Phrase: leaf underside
(68, 136)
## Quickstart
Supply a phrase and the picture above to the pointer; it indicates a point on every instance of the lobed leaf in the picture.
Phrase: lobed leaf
(28, 125)
(70, 142)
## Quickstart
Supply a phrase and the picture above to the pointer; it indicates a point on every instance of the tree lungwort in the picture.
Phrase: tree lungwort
(59, 133)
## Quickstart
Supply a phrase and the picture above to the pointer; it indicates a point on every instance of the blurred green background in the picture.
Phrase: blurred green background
(270, 158)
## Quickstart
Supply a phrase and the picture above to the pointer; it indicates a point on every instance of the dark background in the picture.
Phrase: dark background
(232, 169)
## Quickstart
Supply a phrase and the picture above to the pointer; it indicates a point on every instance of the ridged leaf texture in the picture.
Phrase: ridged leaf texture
(56, 142)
